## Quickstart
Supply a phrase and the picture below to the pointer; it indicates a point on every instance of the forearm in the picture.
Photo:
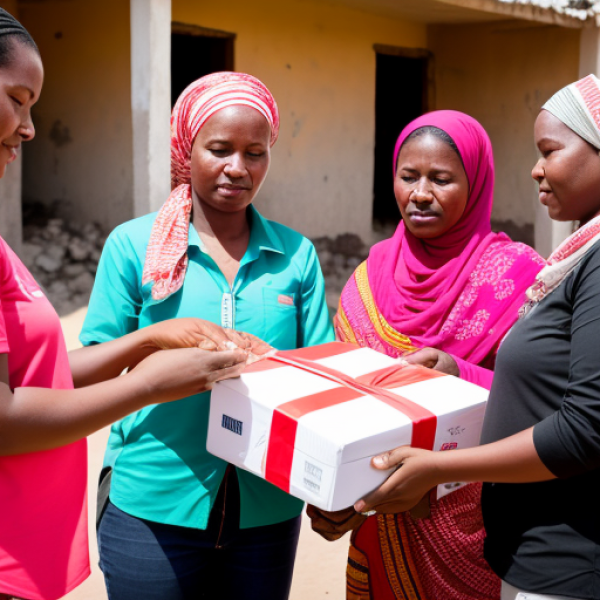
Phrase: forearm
(108, 360)
(33, 419)
(511, 460)
(474, 373)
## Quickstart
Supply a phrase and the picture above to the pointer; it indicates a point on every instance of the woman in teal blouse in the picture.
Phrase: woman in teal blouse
(181, 523)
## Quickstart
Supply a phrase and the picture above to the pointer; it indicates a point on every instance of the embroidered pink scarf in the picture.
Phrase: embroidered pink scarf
(459, 292)
(166, 256)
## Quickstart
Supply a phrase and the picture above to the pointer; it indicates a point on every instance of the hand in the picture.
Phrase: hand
(255, 345)
(193, 333)
(173, 374)
(415, 475)
(433, 359)
(333, 525)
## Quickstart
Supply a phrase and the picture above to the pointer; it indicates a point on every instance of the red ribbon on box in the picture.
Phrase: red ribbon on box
(280, 450)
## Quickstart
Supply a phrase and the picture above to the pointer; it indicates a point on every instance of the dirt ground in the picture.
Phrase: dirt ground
(320, 566)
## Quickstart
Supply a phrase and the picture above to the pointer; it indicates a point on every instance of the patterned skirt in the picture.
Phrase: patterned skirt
(398, 557)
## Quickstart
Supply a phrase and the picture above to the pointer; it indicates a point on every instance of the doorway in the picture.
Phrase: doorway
(404, 86)
(195, 52)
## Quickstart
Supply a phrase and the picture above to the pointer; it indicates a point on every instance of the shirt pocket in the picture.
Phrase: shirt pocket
(280, 318)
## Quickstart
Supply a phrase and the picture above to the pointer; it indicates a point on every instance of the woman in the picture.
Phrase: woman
(443, 281)
(181, 523)
(43, 534)
(543, 417)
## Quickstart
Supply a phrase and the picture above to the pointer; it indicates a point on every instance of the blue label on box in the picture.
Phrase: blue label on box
(232, 424)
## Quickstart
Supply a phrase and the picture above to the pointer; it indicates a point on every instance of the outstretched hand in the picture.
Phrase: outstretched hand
(191, 332)
(432, 358)
(414, 476)
(173, 374)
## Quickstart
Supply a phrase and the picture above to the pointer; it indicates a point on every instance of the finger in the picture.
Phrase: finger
(228, 372)
(423, 361)
(312, 511)
(331, 537)
(257, 345)
(220, 338)
(227, 358)
(239, 340)
(224, 359)
(378, 496)
(207, 344)
(391, 459)
(333, 521)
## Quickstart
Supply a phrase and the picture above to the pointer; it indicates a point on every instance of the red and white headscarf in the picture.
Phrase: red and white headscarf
(166, 255)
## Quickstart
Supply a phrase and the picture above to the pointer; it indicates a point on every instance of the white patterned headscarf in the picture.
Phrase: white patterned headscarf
(578, 107)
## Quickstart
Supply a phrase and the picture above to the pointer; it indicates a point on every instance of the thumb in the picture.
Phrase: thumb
(391, 459)
(381, 461)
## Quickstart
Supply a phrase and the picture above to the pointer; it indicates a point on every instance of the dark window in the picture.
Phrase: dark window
(195, 52)
(402, 93)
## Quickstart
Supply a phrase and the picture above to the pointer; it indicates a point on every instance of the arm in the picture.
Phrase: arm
(512, 460)
(100, 362)
(33, 419)
(474, 373)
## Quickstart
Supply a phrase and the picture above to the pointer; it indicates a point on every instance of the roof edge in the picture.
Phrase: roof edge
(519, 10)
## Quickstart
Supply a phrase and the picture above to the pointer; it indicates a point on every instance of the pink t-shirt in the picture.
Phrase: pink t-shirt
(43, 497)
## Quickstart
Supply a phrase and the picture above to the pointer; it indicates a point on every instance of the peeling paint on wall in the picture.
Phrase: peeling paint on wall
(60, 134)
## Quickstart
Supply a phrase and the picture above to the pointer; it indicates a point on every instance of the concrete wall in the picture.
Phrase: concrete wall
(319, 62)
(82, 153)
(501, 74)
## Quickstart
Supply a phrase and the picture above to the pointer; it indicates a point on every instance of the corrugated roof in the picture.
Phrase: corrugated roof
(580, 9)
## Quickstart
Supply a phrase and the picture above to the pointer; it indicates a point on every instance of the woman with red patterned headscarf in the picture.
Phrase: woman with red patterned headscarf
(180, 523)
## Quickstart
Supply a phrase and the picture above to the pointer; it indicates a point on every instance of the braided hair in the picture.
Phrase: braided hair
(11, 30)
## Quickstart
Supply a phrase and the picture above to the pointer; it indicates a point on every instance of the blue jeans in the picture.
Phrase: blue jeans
(143, 560)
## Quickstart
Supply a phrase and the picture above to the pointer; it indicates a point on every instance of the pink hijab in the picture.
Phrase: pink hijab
(459, 292)
(166, 255)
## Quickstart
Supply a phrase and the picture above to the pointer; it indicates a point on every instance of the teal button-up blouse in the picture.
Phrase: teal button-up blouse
(161, 468)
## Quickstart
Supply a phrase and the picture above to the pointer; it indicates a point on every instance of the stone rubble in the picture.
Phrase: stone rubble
(339, 257)
(63, 258)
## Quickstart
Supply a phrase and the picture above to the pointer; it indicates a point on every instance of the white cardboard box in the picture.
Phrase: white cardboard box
(314, 435)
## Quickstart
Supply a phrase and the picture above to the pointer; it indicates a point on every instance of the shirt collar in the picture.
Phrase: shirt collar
(262, 236)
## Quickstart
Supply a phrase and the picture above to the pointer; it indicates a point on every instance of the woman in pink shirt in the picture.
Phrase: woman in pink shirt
(43, 420)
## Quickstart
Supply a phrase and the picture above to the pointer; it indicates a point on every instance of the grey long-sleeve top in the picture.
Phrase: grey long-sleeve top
(545, 537)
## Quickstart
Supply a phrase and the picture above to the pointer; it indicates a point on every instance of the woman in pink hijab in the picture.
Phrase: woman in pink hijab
(443, 291)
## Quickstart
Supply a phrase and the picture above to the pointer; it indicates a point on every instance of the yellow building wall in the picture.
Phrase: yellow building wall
(82, 153)
(501, 74)
(318, 61)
